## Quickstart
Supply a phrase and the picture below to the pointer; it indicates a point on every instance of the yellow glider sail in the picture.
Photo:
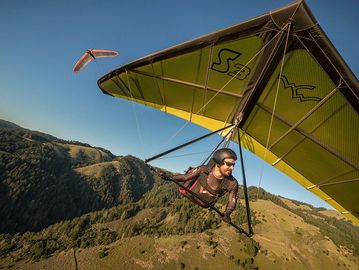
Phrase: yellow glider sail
(280, 76)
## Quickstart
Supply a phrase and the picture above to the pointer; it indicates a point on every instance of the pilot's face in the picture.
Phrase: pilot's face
(227, 167)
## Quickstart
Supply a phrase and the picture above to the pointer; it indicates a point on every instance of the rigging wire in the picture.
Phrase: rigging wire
(222, 88)
(288, 26)
(204, 96)
(218, 145)
(283, 231)
(135, 114)
(184, 155)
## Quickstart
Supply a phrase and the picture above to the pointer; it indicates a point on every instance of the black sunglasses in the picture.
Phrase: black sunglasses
(229, 164)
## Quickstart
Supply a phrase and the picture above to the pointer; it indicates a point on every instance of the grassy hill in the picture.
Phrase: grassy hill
(67, 205)
(284, 239)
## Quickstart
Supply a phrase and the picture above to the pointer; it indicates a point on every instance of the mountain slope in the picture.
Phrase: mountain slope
(67, 205)
(286, 242)
(44, 181)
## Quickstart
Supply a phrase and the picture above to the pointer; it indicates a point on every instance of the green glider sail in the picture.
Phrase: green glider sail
(280, 78)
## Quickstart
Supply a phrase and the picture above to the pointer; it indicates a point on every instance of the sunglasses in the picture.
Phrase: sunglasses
(229, 164)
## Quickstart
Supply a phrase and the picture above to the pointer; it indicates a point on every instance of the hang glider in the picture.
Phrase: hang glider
(280, 79)
(90, 55)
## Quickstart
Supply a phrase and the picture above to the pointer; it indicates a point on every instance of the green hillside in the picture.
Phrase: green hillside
(67, 205)
(44, 180)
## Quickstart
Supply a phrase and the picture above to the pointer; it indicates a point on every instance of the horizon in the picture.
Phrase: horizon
(129, 154)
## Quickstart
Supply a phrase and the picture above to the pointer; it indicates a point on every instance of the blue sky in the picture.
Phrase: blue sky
(41, 41)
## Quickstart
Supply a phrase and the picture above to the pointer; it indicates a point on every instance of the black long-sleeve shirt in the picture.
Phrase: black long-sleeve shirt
(220, 186)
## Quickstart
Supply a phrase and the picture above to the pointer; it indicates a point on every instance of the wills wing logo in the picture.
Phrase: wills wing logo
(226, 64)
(297, 90)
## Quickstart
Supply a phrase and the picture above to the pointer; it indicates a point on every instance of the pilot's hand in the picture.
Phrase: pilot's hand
(165, 176)
(226, 218)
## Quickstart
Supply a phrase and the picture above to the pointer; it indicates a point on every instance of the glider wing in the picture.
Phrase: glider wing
(279, 75)
(90, 55)
(104, 53)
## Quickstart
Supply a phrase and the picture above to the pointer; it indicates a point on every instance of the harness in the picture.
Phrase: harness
(185, 189)
(199, 184)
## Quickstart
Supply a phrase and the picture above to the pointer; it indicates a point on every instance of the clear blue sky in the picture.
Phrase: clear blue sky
(41, 41)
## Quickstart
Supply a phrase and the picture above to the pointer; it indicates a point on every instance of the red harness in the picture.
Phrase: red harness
(200, 187)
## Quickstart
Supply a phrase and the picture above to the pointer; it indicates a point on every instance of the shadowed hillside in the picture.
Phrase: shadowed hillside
(44, 180)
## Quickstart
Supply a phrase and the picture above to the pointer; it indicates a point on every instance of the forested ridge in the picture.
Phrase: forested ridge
(56, 195)
(41, 181)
